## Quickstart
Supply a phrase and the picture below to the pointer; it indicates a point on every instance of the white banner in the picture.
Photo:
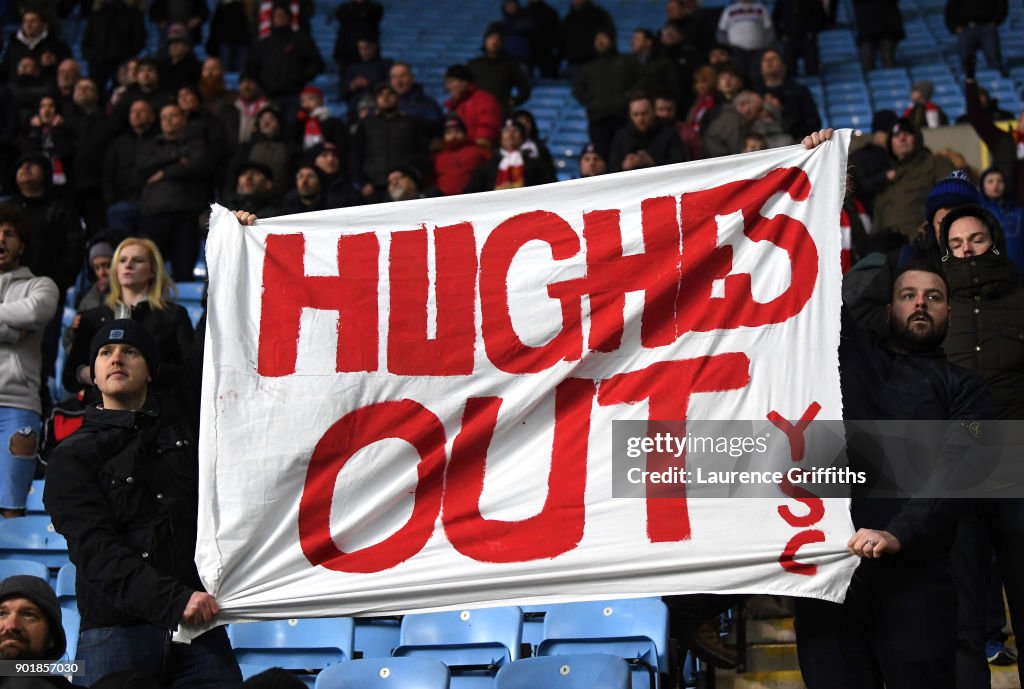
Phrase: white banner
(409, 406)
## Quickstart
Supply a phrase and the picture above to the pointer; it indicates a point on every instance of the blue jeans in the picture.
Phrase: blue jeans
(207, 663)
(16, 470)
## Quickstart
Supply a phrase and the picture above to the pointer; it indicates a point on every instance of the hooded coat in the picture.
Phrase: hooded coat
(898, 207)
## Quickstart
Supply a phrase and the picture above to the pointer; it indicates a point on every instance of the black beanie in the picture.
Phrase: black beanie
(40, 593)
(126, 331)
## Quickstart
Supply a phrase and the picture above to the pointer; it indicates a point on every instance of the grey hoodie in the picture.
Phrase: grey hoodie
(27, 303)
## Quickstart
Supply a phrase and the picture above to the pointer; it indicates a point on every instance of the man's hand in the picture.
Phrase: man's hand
(816, 138)
(201, 608)
(245, 218)
(873, 544)
(155, 177)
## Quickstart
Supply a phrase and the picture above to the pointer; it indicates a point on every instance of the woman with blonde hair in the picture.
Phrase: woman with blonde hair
(139, 289)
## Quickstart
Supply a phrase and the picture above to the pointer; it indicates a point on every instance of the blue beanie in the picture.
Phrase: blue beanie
(956, 190)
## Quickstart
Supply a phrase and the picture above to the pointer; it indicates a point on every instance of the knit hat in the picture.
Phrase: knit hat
(101, 249)
(925, 88)
(125, 331)
(312, 91)
(590, 148)
(461, 72)
(883, 121)
(40, 593)
(410, 172)
(956, 190)
(254, 165)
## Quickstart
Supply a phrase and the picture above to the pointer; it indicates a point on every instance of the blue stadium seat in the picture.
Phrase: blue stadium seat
(295, 644)
(189, 291)
(72, 622)
(65, 588)
(474, 644)
(32, 537)
(377, 637)
(10, 568)
(533, 624)
(386, 673)
(634, 629)
(583, 671)
(34, 500)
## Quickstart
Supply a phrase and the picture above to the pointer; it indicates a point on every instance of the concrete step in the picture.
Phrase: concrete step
(780, 679)
(770, 631)
(772, 657)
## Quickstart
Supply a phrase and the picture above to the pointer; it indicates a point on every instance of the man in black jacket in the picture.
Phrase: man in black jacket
(384, 141)
(898, 624)
(646, 141)
(285, 61)
(123, 491)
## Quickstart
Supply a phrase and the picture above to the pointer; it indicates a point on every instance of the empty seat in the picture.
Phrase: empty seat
(474, 644)
(386, 673)
(10, 568)
(189, 292)
(33, 537)
(72, 622)
(633, 629)
(65, 588)
(295, 644)
(377, 637)
(583, 671)
(34, 500)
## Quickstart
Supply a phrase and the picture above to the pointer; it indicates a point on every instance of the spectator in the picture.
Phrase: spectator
(176, 169)
(125, 78)
(179, 66)
(147, 87)
(406, 183)
(114, 32)
(140, 290)
(231, 34)
(653, 72)
(799, 111)
(591, 163)
(455, 163)
(212, 89)
(987, 310)
(875, 636)
(254, 190)
(28, 87)
(93, 131)
(413, 100)
(922, 111)
(136, 578)
(364, 73)
(307, 194)
(707, 99)
(33, 40)
(686, 17)
(32, 622)
(356, 19)
(534, 143)
(730, 82)
(189, 13)
(754, 142)
(101, 255)
(770, 124)
(545, 42)
(996, 200)
(49, 134)
(1007, 147)
(53, 236)
(976, 25)
(9, 122)
(683, 60)
(478, 110)
(314, 124)
(68, 74)
(285, 61)
(201, 124)
(665, 110)
(122, 187)
(646, 141)
(601, 87)
(384, 141)
(870, 163)
(29, 303)
(579, 31)
(989, 106)
(798, 23)
(915, 171)
(727, 132)
(515, 30)
(240, 118)
(510, 168)
(746, 27)
(268, 145)
(337, 186)
(879, 29)
(499, 74)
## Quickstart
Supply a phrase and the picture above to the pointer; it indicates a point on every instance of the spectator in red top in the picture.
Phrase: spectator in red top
(922, 111)
(455, 163)
(479, 110)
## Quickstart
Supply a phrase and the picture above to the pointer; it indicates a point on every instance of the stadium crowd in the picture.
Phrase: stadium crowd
(108, 168)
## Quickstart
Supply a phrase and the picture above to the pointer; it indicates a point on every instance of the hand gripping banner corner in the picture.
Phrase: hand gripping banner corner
(413, 406)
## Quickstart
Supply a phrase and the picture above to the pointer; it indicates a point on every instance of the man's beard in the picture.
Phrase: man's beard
(23, 652)
(904, 336)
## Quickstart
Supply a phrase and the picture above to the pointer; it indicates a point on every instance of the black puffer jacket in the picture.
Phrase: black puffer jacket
(986, 324)
(186, 168)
